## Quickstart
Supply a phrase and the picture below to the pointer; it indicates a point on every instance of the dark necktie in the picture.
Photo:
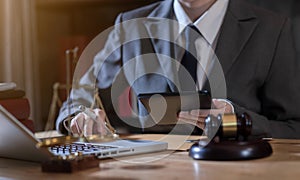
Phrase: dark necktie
(189, 60)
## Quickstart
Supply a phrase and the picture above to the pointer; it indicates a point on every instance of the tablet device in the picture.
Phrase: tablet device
(164, 107)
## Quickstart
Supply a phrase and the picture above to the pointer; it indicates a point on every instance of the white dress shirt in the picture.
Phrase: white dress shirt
(209, 26)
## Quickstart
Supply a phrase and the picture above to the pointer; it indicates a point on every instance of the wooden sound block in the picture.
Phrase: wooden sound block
(70, 165)
(231, 150)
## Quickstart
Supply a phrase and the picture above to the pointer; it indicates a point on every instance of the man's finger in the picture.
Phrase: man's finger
(100, 125)
(88, 126)
(224, 104)
(76, 124)
(188, 115)
(199, 122)
(214, 112)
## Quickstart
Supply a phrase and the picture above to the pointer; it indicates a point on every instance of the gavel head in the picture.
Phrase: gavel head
(228, 127)
(228, 140)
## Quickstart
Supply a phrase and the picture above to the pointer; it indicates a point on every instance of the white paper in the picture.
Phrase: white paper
(7, 86)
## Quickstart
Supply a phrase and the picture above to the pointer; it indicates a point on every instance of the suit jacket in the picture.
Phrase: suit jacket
(255, 51)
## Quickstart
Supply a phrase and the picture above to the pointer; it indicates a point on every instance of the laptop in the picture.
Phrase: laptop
(17, 142)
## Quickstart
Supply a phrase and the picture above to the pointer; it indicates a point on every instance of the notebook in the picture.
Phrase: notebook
(17, 142)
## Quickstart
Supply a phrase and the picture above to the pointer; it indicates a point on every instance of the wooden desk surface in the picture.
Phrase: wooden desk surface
(284, 163)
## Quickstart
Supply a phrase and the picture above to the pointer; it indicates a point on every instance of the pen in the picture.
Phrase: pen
(88, 112)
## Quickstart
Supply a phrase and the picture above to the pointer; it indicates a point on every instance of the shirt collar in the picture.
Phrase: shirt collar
(208, 24)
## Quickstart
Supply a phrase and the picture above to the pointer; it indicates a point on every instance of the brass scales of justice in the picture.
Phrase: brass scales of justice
(74, 161)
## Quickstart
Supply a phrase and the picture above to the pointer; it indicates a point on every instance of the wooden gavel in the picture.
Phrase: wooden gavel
(227, 139)
(228, 127)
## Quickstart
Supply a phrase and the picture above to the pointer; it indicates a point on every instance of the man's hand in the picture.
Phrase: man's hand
(84, 124)
(197, 116)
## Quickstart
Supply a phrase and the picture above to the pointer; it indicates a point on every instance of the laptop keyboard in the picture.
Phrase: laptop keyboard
(78, 147)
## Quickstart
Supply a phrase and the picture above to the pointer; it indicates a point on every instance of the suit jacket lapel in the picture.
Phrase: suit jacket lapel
(239, 23)
(161, 31)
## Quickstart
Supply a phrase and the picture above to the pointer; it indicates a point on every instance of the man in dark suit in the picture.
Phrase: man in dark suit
(255, 52)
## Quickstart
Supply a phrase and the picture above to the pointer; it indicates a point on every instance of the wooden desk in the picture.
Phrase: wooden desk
(284, 164)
